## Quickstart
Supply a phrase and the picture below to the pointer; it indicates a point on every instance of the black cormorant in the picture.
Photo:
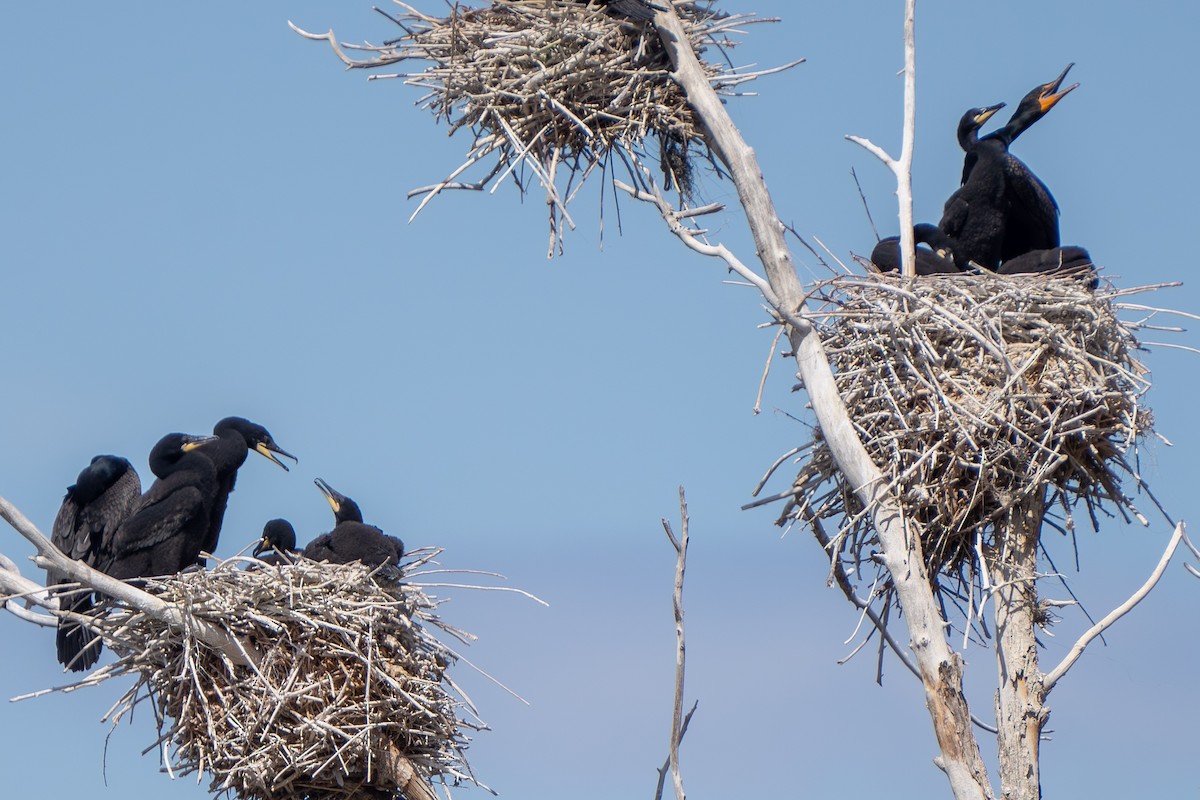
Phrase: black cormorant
(1002, 209)
(236, 438)
(1068, 260)
(168, 526)
(974, 216)
(279, 536)
(103, 495)
(938, 260)
(351, 539)
(1032, 222)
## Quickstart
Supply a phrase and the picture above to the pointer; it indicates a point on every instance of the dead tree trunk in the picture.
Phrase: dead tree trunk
(940, 666)
(1020, 696)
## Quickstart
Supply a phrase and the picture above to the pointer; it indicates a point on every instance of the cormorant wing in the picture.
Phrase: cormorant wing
(1033, 212)
(165, 510)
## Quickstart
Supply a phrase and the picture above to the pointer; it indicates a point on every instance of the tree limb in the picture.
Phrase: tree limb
(902, 167)
(677, 724)
(941, 668)
(1054, 675)
(50, 556)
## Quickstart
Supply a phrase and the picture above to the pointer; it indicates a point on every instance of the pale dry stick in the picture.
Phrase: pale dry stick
(1195, 552)
(666, 767)
(1055, 674)
(766, 371)
(902, 167)
(681, 546)
(839, 575)
(50, 556)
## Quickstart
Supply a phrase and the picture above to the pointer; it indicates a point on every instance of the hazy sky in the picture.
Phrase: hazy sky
(202, 214)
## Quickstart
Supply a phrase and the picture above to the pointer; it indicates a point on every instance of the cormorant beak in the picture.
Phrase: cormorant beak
(190, 443)
(987, 112)
(269, 449)
(1050, 93)
(334, 498)
(262, 547)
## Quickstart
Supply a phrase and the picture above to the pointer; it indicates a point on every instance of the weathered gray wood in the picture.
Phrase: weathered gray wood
(1021, 712)
(50, 556)
(941, 668)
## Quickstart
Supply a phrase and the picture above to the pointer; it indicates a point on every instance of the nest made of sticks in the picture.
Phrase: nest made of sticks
(973, 394)
(556, 86)
(348, 696)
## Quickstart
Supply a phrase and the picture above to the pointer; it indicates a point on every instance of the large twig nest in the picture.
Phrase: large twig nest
(972, 394)
(347, 694)
(554, 87)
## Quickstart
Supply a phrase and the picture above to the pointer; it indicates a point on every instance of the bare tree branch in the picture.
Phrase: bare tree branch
(50, 556)
(941, 668)
(902, 167)
(677, 724)
(1054, 675)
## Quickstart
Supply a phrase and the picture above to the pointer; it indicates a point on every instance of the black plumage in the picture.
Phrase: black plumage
(279, 537)
(1069, 260)
(1003, 209)
(103, 495)
(1032, 222)
(633, 9)
(351, 539)
(973, 216)
(938, 260)
(236, 437)
(167, 529)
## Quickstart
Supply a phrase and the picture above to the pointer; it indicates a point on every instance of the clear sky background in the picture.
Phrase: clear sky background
(202, 214)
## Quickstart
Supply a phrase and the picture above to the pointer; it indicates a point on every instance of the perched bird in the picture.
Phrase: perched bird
(1032, 222)
(169, 524)
(1002, 209)
(278, 537)
(103, 495)
(1069, 261)
(236, 437)
(351, 539)
(974, 215)
(938, 260)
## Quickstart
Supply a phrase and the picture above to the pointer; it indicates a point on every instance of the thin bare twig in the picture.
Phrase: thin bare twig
(1056, 674)
(677, 724)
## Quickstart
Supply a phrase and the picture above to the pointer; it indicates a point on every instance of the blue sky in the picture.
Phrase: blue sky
(202, 214)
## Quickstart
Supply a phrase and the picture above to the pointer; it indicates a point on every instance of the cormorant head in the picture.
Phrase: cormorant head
(1034, 105)
(97, 477)
(173, 447)
(257, 438)
(277, 535)
(1047, 95)
(344, 509)
(972, 121)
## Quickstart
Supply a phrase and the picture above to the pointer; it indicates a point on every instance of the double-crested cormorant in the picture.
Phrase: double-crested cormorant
(973, 217)
(937, 261)
(1069, 261)
(351, 539)
(236, 437)
(168, 526)
(103, 495)
(1032, 222)
(279, 536)
(1003, 210)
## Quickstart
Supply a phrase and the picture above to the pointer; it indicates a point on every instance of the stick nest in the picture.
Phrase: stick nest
(555, 86)
(349, 696)
(974, 394)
